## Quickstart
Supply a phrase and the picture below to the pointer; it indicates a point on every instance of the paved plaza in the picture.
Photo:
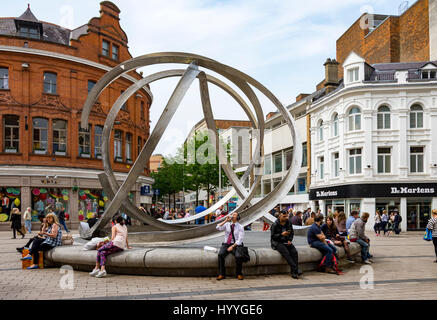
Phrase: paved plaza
(403, 269)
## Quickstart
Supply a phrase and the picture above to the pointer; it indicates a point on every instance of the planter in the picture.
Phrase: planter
(118, 159)
(60, 153)
(98, 156)
(40, 151)
(11, 150)
(85, 155)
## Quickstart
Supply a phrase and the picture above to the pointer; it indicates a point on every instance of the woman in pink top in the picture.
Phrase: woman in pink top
(118, 243)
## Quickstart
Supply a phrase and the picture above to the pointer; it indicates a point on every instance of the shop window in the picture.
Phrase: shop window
(11, 133)
(416, 116)
(354, 205)
(60, 137)
(383, 117)
(84, 142)
(91, 203)
(115, 52)
(50, 80)
(118, 146)
(46, 200)
(418, 213)
(355, 119)
(278, 162)
(105, 48)
(268, 165)
(4, 78)
(91, 85)
(40, 135)
(9, 198)
(416, 159)
(335, 126)
(384, 160)
(98, 140)
(128, 148)
(355, 161)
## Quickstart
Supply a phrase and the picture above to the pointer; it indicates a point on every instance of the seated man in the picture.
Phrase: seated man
(356, 234)
(92, 221)
(316, 239)
(281, 237)
(234, 234)
(351, 219)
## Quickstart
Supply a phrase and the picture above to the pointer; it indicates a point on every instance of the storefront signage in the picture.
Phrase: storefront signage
(375, 190)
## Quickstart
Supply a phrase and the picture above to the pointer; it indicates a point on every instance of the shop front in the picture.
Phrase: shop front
(413, 201)
(10, 197)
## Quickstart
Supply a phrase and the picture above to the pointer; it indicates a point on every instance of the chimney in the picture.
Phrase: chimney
(110, 9)
(331, 75)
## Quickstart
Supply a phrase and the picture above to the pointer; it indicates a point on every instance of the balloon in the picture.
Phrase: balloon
(17, 202)
(87, 191)
(42, 190)
(67, 216)
(81, 193)
(65, 192)
(36, 192)
(101, 203)
(4, 217)
(65, 198)
(89, 215)
(83, 197)
(105, 198)
(81, 218)
(43, 196)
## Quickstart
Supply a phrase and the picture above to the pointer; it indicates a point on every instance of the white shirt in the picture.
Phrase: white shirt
(238, 232)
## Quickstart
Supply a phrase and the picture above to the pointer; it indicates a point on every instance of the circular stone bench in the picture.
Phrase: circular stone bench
(185, 261)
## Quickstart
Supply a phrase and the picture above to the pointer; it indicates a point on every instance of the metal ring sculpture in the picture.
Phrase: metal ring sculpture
(169, 232)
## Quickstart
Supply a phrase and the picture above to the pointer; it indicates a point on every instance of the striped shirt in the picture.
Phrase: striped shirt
(432, 225)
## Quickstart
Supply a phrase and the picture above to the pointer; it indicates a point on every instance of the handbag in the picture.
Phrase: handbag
(241, 252)
(67, 239)
(23, 230)
(428, 235)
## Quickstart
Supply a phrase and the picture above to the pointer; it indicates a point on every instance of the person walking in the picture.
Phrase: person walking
(357, 234)
(377, 225)
(384, 221)
(397, 219)
(119, 242)
(27, 216)
(432, 225)
(234, 235)
(281, 237)
(61, 217)
(16, 223)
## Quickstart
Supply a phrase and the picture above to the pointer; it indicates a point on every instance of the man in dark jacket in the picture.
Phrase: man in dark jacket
(281, 237)
(397, 223)
(296, 220)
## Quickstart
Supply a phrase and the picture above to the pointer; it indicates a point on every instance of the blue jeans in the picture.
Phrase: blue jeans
(62, 222)
(326, 249)
(28, 225)
(364, 249)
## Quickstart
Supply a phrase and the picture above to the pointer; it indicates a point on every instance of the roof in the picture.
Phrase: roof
(28, 15)
(398, 66)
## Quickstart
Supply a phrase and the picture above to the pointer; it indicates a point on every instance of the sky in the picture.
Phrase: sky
(281, 43)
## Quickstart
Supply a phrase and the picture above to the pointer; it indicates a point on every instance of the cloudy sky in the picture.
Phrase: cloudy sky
(281, 43)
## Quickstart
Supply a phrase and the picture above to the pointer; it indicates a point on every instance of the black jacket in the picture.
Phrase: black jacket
(276, 233)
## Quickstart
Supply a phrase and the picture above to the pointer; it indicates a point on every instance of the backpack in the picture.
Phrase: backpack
(322, 266)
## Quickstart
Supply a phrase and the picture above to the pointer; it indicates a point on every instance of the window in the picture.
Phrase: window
(288, 158)
(4, 78)
(11, 133)
(98, 139)
(416, 159)
(355, 161)
(268, 165)
(118, 145)
(267, 187)
(304, 155)
(429, 74)
(29, 32)
(278, 162)
(84, 142)
(142, 111)
(335, 126)
(301, 185)
(105, 48)
(416, 116)
(91, 85)
(354, 119)
(321, 167)
(383, 117)
(321, 130)
(384, 160)
(40, 135)
(115, 52)
(353, 75)
(50, 82)
(128, 147)
(60, 137)
(140, 145)
(336, 164)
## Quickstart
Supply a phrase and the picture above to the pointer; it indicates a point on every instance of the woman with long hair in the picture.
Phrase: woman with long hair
(377, 225)
(50, 239)
(340, 223)
(331, 233)
(118, 243)
(16, 223)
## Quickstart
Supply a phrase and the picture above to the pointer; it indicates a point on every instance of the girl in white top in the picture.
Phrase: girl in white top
(118, 243)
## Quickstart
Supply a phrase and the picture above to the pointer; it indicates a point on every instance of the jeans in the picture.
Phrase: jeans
(223, 253)
(28, 225)
(289, 253)
(326, 249)
(384, 226)
(62, 222)
(364, 249)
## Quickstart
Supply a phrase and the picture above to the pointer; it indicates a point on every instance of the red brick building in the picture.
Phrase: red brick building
(46, 72)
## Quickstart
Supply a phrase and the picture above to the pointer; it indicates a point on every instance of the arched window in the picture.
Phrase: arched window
(60, 137)
(355, 119)
(11, 133)
(416, 116)
(383, 117)
(321, 130)
(335, 125)
(40, 135)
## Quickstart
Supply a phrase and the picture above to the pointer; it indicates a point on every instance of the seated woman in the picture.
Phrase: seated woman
(340, 223)
(51, 238)
(44, 227)
(331, 233)
(118, 243)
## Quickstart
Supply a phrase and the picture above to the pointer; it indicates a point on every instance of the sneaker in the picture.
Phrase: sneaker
(240, 277)
(350, 260)
(220, 277)
(94, 272)
(370, 260)
(367, 262)
(101, 274)
(294, 276)
(20, 250)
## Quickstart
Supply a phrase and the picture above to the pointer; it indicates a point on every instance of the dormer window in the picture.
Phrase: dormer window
(352, 75)
(29, 32)
(429, 74)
